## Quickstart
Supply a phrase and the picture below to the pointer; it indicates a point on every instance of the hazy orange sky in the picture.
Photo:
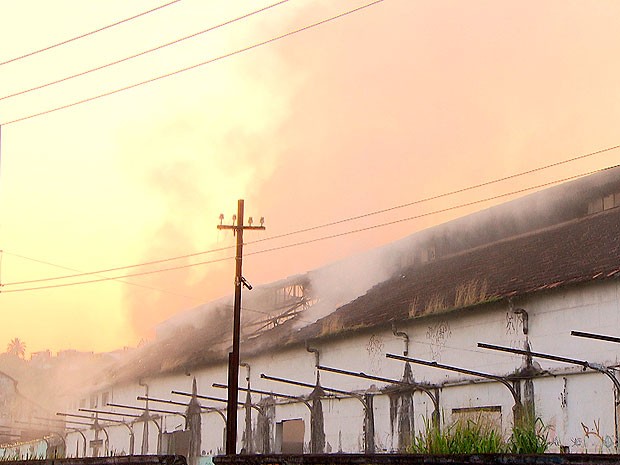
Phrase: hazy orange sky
(399, 101)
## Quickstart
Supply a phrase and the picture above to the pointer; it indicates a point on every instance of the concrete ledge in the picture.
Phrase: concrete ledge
(119, 460)
(418, 459)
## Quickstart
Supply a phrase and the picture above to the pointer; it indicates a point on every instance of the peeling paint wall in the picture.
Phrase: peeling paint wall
(317, 426)
(369, 425)
(247, 437)
(194, 426)
(402, 419)
(264, 433)
(402, 413)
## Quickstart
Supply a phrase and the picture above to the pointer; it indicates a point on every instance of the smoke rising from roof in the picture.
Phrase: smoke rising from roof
(362, 115)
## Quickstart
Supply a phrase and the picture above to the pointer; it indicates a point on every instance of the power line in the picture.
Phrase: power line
(165, 291)
(0, 154)
(439, 196)
(253, 310)
(331, 236)
(108, 270)
(143, 273)
(145, 52)
(324, 225)
(179, 71)
(434, 212)
(81, 36)
(135, 284)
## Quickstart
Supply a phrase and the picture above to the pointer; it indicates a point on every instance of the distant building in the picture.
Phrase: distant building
(17, 413)
(41, 358)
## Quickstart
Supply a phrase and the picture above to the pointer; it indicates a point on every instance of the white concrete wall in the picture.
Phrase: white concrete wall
(577, 407)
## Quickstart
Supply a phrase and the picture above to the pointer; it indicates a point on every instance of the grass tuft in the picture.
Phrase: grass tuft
(480, 437)
(529, 436)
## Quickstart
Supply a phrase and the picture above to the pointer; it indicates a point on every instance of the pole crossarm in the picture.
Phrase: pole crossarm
(208, 409)
(97, 419)
(422, 387)
(75, 422)
(171, 402)
(129, 415)
(200, 396)
(308, 385)
(464, 371)
(258, 391)
(312, 386)
(162, 401)
(147, 410)
(95, 422)
(236, 228)
(268, 393)
(361, 374)
(600, 337)
(584, 363)
(556, 358)
(215, 399)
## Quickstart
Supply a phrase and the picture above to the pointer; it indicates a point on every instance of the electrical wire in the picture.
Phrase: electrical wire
(145, 52)
(331, 236)
(321, 226)
(108, 270)
(202, 301)
(438, 196)
(165, 291)
(252, 310)
(434, 212)
(81, 36)
(0, 157)
(143, 273)
(198, 65)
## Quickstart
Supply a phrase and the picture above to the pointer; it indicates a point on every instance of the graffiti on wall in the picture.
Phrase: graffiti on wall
(376, 353)
(592, 440)
(594, 433)
(514, 329)
(437, 335)
(511, 324)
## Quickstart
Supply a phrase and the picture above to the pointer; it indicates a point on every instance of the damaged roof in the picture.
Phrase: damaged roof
(578, 251)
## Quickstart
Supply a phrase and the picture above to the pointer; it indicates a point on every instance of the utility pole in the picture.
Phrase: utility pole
(233, 357)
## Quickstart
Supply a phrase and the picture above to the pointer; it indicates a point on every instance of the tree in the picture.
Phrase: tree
(16, 347)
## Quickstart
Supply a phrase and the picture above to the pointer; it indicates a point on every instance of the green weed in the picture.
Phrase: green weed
(529, 436)
(480, 437)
